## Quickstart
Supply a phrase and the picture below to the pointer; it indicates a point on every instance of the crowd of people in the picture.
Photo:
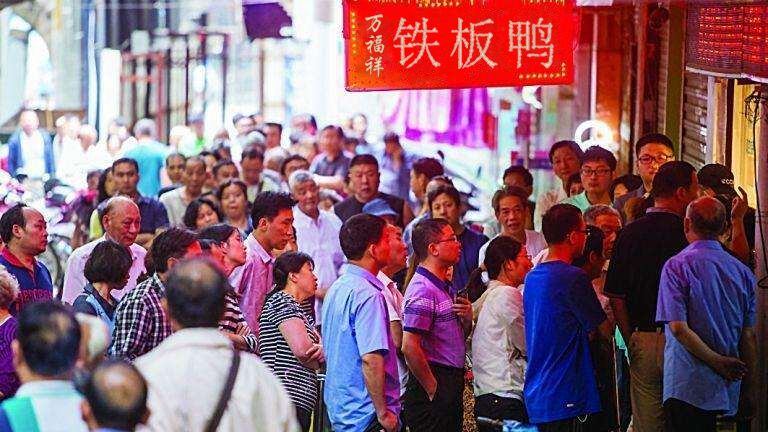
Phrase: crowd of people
(251, 284)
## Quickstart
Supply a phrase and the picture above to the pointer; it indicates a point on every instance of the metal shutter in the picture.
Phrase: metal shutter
(694, 145)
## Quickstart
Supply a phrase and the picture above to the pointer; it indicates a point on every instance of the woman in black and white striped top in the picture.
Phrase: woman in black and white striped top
(225, 246)
(288, 342)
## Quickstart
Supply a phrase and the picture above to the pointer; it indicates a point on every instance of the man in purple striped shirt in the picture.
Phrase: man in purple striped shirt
(435, 326)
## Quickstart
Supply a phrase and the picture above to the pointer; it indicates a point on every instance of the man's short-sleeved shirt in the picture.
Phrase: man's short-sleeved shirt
(35, 285)
(714, 293)
(561, 309)
(355, 323)
(150, 156)
(323, 166)
(428, 311)
(639, 254)
(581, 201)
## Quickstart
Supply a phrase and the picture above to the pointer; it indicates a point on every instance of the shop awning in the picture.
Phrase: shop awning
(264, 19)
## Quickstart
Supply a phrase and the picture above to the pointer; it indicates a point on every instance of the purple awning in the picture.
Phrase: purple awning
(264, 19)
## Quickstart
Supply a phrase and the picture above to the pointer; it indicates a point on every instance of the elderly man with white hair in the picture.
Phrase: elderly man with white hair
(122, 222)
(317, 233)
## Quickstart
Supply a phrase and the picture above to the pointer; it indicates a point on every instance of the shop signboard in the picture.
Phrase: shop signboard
(433, 44)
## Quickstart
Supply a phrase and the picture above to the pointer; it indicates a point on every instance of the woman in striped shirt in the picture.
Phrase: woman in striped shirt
(288, 342)
(225, 246)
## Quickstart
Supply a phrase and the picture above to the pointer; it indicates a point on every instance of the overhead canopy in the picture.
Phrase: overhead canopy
(264, 19)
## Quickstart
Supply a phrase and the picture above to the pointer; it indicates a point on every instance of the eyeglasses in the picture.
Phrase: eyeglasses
(600, 172)
(660, 159)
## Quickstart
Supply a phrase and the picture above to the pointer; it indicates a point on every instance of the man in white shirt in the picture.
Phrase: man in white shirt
(121, 221)
(187, 372)
(30, 151)
(511, 207)
(565, 157)
(317, 234)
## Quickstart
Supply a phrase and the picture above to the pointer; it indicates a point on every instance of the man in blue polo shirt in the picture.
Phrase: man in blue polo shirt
(707, 301)
(362, 387)
(23, 230)
(561, 310)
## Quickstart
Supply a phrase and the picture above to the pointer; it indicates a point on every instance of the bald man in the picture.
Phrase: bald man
(115, 397)
(121, 221)
(707, 301)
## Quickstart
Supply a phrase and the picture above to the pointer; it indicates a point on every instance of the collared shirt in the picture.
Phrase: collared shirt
(185, 375)
(546, 200)
(175, 205)
(140, 321)
(710, 290)
(428, 311)
(498, 342)
(395, 180)
(32, 154)
(356, 323)
(471, 242)
(639, 254)
(560, 309)
(152, 212)
(253, 281)
(319, 238)
(323, 166)
(43, 406)
(34, 285)
(394, 299)
(74, 279)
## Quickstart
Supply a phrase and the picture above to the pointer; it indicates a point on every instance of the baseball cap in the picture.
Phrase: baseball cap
(379, 207)
(718, 178)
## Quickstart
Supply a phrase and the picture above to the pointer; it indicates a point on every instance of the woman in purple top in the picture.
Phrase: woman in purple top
(9, 289)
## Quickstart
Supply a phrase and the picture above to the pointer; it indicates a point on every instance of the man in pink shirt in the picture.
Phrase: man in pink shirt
(272, 217)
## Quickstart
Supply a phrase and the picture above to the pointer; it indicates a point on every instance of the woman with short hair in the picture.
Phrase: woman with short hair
(288, 342)
(498, 340)
(202, 213)
(107, 269)
(225, 246)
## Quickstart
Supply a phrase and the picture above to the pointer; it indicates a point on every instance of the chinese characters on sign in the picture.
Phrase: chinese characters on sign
(402, 44)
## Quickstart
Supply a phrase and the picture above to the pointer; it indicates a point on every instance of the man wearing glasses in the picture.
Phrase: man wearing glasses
(597, 167)
(652, 151)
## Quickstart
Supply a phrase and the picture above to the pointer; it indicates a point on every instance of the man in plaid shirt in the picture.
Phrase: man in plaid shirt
(140, 321)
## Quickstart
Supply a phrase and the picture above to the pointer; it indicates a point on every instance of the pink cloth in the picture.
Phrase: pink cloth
(253, 281)
(453, 117)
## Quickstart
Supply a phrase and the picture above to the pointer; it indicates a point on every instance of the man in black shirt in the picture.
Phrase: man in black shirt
(633, 285)
(364, 185)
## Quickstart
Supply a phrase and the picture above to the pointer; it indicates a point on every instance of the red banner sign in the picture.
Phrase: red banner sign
(429, 44)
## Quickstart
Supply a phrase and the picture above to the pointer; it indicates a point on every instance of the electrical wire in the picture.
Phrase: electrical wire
(754, 115)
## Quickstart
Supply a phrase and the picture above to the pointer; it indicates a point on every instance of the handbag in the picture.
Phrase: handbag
(226, 394)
